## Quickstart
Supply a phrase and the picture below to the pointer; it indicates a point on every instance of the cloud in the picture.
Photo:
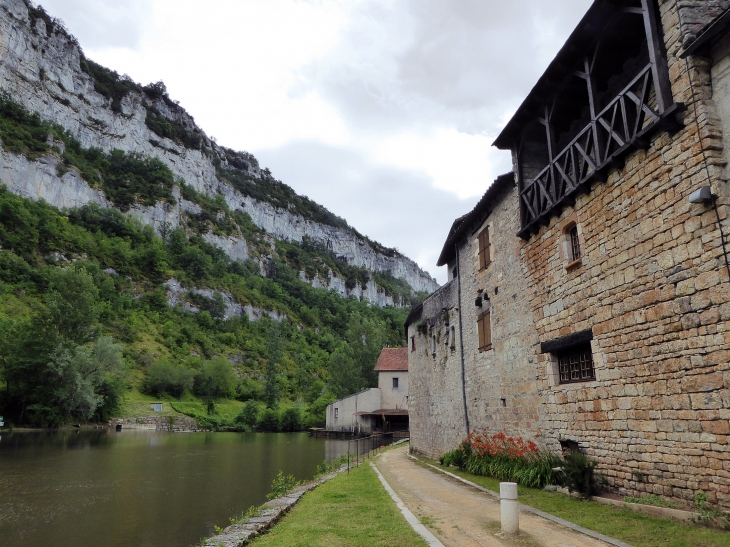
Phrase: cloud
(397, 207)
(100, 24)
(408, 64)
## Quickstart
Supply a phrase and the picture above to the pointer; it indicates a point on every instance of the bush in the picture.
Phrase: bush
(270, 421)
(162, 377)
(291, 420)
(282, 485)
(249, 414)
(578, 473)
(217, 379)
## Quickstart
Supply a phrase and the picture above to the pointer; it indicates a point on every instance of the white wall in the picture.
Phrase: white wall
(393, 398)
(365, 401)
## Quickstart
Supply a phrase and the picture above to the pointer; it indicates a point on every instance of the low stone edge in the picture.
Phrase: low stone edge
(419, 528)
(238, 535)
(548, 516)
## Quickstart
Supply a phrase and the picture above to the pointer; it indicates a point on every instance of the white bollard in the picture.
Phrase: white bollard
(508, 505)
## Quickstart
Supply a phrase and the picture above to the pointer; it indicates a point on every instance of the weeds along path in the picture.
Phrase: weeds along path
(461, 516)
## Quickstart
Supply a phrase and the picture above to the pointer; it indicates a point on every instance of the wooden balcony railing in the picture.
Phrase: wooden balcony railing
(624, 124)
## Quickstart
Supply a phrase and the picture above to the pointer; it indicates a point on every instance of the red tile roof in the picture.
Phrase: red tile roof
(392, 359)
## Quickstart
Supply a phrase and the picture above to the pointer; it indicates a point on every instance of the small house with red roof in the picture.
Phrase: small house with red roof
(379, 409)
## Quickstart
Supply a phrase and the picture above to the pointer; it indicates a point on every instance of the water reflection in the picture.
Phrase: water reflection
(140, 488)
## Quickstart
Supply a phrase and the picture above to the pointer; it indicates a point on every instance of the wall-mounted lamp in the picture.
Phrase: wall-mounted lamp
(703, 195)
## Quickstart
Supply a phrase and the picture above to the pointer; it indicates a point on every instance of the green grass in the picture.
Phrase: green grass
(352, 510)
(623, 524)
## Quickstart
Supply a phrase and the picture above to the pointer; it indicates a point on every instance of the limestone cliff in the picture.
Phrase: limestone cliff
(43, 68)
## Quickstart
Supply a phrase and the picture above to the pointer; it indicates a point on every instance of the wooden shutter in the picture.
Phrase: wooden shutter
(484, 328)
(484, 259)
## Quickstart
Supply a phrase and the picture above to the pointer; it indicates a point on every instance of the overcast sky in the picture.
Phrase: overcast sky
(384, 111)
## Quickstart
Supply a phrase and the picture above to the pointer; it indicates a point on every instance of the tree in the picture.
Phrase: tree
(274, 352)
(291, 420)
(270, 420)
(249, 414)
(72, 303)
(345, 374)
(77, 372)
(217, 379)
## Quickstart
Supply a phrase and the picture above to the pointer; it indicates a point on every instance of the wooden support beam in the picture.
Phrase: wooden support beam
(657, 55)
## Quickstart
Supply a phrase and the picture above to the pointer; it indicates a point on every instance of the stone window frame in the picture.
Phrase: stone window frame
(413, 343)
(570, 261)
(433, 344)
(395, 383)
(337, 413)
(452, 337)
(552, 369)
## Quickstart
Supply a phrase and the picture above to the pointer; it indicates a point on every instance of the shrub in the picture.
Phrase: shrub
(578, 473)
(249, 414)
(162, 377)
(291, 420)
(270, 420)
(282, 485)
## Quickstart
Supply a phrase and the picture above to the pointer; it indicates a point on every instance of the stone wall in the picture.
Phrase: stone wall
(651, 285)
(501, 384)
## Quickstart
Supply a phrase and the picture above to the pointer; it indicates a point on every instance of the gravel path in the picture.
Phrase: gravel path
(461, 516)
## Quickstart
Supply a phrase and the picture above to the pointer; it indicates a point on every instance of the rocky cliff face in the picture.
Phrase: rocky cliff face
(41, 68)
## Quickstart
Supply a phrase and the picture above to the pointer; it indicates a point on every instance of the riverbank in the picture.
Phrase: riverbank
(351, 509)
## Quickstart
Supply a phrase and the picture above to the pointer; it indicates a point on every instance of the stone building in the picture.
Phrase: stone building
(383, 408)
(588, 297)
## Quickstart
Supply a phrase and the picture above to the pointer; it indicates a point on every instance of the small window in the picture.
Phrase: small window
(433, 344)
(337, 412)
(413, 343)
(484, 258)
(574, 243)
(395, 383)
(452, 336)
(454, 272)
(576, 364)
(484, 327)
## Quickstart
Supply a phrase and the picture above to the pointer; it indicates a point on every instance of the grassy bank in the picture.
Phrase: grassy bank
(623, 524)
(351, 509)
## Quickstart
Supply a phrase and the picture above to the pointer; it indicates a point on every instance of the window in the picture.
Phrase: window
(484, 258)
(484, 327)
(337, 412)
(452, 336)
(395, 383)
(576, 364)
(433, 344)
(413, 343)
(454, 272)
(574, 243)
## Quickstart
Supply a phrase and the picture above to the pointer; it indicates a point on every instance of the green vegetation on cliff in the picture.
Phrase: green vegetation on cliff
(164, 349)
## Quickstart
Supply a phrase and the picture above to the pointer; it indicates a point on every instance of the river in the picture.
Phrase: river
(140, 488)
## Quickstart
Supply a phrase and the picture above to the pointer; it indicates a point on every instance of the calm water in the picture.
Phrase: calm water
(140, 488)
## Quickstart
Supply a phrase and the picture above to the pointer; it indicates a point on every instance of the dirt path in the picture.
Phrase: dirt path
(461, 516)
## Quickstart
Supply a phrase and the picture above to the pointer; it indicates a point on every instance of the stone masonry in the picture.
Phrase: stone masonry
(651, 285)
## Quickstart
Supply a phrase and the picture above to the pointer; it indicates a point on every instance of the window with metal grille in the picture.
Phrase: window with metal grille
(484, 258)
(576, 364)
(574, 243)
(395, 383)
(484, 327)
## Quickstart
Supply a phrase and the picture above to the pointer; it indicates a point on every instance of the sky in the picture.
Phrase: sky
(383, 111)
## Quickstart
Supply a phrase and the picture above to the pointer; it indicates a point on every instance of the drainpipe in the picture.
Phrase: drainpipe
(461, 338)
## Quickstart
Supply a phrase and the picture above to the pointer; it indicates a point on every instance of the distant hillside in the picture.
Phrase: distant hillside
(139, 259)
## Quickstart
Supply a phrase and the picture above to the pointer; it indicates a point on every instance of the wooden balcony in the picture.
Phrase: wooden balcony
(626, 123)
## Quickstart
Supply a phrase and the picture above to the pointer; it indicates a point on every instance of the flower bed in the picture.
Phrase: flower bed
(504, 458)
